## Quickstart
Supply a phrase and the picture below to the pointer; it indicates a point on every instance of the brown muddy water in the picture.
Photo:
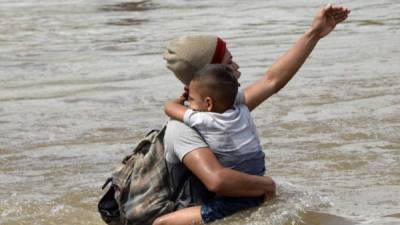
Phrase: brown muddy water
(82, 81)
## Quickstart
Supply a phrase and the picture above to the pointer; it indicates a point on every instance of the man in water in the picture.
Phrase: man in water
(184, 146)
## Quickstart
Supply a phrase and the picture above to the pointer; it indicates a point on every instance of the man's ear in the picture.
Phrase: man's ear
(210, 104)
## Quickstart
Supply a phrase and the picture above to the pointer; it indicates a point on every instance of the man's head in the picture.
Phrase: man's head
(213, 88)
(188, 54)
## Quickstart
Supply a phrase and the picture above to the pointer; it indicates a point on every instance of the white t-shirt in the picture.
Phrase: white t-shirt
(232, 136)
(180, 139)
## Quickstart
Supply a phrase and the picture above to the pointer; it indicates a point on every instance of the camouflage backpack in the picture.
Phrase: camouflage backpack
(139, 190)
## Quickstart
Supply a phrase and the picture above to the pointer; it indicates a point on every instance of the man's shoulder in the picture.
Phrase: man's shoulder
(181, 139)
(176, 126)
(177, 129)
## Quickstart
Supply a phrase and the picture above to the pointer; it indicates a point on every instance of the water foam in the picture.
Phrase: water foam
(286, 208)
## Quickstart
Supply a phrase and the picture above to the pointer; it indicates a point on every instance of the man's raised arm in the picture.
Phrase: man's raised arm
(286, 66)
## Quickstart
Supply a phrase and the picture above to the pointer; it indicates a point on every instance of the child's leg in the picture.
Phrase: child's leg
(186, 216)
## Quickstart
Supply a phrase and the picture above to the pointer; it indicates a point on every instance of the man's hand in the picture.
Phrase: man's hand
(286, 66)
(327, 18)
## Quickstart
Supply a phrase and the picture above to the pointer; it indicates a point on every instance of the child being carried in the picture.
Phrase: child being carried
(218, 112)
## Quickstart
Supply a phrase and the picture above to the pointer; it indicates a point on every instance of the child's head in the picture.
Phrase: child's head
(213, 89)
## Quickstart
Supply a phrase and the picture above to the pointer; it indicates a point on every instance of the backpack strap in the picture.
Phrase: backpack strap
(178, 190)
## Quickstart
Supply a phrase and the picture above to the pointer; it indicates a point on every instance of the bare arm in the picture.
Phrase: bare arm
(175, 109)
(203, 163)
(286, 66)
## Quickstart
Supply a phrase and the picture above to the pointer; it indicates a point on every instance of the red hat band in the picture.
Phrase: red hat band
(219, 52)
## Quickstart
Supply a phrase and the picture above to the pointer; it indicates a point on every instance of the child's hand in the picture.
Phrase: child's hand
(185, 93)
(176, 109)
(327, 18)
(184, 97)
(181, 99)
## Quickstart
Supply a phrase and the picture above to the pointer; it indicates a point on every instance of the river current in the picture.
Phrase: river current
(82, 81)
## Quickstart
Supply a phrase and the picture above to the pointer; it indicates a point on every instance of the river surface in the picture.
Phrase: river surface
(82, 81)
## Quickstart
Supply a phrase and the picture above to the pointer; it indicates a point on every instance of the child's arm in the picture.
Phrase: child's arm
(175, 108)
(285, 67)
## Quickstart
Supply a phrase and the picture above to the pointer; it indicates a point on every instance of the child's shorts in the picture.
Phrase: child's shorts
(221, 207)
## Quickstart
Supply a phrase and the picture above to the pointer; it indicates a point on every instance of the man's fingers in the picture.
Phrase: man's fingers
(339, 13)
(334, 13)
(339, 20)
(339, 10)
(338, 16)
(326, 8)
(335, 9)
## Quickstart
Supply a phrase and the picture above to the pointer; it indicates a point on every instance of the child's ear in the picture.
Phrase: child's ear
(210, 104)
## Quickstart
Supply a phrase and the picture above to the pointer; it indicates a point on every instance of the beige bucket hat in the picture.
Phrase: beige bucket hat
(188, 54)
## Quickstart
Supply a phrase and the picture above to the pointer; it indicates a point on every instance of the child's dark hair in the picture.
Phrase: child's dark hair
(218, 82)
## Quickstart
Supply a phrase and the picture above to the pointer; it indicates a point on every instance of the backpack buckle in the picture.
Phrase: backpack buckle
(106, 183)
